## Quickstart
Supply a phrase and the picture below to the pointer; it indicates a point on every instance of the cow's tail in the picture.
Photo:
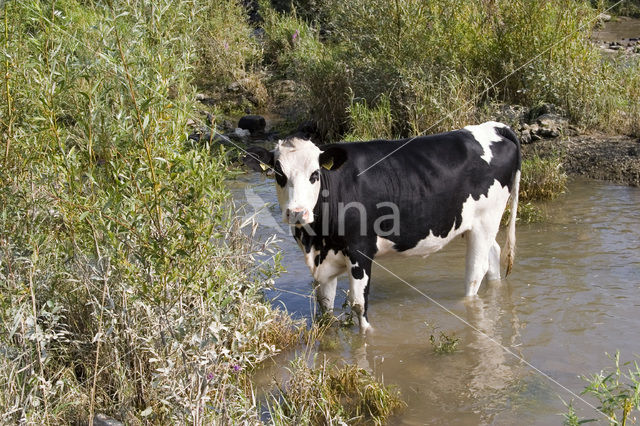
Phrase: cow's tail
(509, 252)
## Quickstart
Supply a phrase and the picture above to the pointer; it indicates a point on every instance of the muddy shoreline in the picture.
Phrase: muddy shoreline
(614, 158)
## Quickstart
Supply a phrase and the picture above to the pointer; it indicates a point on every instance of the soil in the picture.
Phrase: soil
(614, 158)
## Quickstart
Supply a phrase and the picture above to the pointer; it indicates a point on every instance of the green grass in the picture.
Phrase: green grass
(440, 63)
(331, 394)
(444, 343)
(126, 284)
(542, 179)
(617, 391)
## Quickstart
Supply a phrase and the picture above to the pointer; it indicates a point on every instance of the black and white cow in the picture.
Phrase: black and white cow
(350, 202)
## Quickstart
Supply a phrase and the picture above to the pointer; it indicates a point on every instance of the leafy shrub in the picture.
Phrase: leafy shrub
(224, 46)
(542, 179)
(617, 391)
(126, 284)
(370, 123)
(441, 62)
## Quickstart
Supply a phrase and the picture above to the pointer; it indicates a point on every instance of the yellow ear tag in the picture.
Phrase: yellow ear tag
(328, 164)
(264, 167)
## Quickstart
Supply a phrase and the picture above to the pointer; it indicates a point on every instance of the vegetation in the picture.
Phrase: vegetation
(542, 179)
(443, 343)
(126, 285)
(442, 64)
(617, 391)
(329, 394)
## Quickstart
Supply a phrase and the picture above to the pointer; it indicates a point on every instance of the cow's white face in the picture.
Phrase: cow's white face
(297, 173)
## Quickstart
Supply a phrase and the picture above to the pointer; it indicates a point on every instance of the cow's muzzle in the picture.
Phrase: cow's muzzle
(298, 216)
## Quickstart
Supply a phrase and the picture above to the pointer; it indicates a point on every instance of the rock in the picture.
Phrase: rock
(542, 109)
(207, 136)
(525, 136)
(603, 17)
(552, 121)
(104, 420)
(207, 100)
(253, 123)
(240, 135)
(511, 114)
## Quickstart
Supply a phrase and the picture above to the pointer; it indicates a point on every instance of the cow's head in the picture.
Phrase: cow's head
(297, 165)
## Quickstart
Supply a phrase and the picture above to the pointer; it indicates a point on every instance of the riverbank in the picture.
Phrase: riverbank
(613, 158)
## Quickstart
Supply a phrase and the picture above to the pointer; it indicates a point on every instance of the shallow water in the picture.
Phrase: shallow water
(621, 28)
(572, 297)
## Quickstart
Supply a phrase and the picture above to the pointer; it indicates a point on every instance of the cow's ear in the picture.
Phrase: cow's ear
(333, 157)
(258, 158)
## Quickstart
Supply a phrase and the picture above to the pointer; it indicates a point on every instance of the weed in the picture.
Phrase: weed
(542, 179)
(617, 391)
(370, 123)
(329, 394)
(126, 284)
(444, 343)
(441, 62)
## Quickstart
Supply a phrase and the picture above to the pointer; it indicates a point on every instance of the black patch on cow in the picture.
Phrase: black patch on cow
(314, 176)
(357, 272)
(316, 260)
(281, 178)
(257, 156)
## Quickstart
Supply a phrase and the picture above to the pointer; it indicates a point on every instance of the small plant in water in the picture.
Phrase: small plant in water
(442, 342)
(617, 391)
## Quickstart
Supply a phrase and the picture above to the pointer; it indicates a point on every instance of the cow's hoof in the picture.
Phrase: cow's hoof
(365, 327)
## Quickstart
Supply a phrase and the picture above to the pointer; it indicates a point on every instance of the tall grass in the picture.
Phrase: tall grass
(441, 63)
(331, 394)
(126, 285)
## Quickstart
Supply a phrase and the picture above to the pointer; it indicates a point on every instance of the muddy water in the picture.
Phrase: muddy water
(574, 294)
(620, 28)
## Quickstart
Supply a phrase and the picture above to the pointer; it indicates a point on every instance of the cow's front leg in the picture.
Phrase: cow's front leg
(359, 269)
(326, 275)
(326, 294)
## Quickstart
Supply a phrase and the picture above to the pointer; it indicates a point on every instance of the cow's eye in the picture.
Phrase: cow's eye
(281, 178)
(314, 176)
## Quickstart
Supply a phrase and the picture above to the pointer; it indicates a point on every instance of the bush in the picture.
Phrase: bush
(440, 63)
(370, 123)
(126, 285)
(542, 179)
(223, 43)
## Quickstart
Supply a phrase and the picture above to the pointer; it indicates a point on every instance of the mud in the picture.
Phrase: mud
(614, 158)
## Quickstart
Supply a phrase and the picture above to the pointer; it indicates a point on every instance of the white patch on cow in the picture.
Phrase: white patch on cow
(481, 221)
(298, 158)
(356, 296)
(384, 246)
(325, 274)
(486, 134)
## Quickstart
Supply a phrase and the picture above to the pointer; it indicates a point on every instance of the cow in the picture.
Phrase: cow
(348, 203)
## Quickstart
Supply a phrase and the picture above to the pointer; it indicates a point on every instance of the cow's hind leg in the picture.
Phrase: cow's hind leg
(493, 274)
(479, 245)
